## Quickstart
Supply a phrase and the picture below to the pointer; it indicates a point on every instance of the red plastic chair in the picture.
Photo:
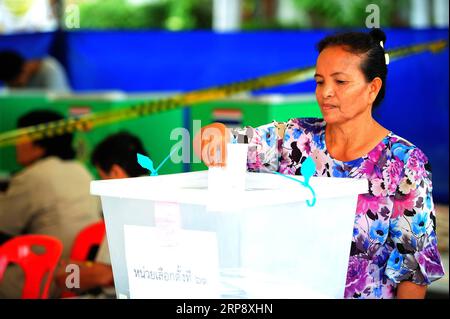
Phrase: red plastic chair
(87, 239)
(35, 266)
(86, 245)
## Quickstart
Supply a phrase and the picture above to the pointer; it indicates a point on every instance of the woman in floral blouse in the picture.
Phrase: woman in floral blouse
(394, 248)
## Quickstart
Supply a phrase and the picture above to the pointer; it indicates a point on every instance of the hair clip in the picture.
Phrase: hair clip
(386, 55)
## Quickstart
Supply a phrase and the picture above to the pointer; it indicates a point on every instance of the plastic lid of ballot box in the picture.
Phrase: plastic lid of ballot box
(170, 236)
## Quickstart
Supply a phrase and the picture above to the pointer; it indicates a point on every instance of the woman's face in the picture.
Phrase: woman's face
(341, 88)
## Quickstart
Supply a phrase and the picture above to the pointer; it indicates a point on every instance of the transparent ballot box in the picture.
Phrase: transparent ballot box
(171, 236)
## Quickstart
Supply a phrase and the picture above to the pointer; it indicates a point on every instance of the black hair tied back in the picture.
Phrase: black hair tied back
(371, 45)
(378, 36)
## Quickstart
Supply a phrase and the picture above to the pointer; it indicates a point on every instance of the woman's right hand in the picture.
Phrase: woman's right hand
(210, 144)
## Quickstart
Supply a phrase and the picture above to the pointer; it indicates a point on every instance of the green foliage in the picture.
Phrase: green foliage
(197, 14)
(170, 14)
(189, 14)
(202, 11)
(341, 13)
(118, 14)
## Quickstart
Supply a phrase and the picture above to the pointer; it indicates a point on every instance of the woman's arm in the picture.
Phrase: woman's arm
(415, 261)
(263, 155)
(410, 290)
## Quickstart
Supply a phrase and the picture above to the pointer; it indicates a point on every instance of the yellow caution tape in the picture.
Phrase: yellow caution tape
(90, 121)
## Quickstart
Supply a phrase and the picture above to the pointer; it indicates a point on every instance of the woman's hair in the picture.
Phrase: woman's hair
(120, 149)
(368, 44)
(59, 145)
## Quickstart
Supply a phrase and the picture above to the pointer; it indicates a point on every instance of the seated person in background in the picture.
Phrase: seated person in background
(46, 73)
(49, 196)
(114, 157)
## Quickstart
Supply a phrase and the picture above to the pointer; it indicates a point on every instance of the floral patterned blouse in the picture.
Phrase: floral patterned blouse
(394, 236)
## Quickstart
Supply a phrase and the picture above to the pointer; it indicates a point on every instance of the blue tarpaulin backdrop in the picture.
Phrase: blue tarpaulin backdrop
(416, 104)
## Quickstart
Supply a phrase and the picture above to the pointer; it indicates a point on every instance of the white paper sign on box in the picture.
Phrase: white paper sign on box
(183, 268)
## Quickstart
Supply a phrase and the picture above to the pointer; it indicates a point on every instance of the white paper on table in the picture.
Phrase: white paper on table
(156, 269)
